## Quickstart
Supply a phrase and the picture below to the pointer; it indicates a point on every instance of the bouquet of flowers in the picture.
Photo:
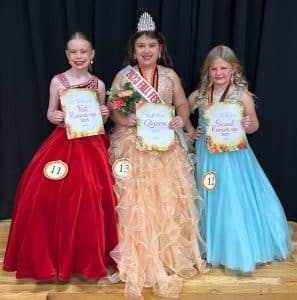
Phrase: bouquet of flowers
(123, 99)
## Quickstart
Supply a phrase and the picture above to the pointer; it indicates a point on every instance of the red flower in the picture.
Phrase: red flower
(117, 103)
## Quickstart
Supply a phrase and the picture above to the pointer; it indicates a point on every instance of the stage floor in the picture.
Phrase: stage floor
(275, 281)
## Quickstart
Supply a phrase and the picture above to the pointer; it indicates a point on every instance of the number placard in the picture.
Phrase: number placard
(122, 168)
(209, 181)
(55, 170)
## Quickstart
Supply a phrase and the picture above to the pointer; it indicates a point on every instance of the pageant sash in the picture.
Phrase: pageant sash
(141, 85)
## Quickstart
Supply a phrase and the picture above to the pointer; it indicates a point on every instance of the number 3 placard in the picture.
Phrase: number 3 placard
(55, 170)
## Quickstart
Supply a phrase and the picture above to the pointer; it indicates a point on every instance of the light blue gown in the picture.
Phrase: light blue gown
(245, 224)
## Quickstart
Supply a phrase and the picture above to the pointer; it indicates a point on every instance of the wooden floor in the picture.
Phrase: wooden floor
(275, 281)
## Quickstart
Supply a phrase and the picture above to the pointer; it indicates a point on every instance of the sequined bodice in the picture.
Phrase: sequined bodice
(165, 86)
(92, 83)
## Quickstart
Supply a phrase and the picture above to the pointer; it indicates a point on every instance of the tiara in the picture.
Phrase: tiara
(146, 23)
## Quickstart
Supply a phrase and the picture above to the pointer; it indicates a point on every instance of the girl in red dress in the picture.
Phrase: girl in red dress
(67, 226)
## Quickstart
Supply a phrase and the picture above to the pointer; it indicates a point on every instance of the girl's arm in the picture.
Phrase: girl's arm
(54, 115)
(193, 133)
(101, 98)
(180, 103)
(250, 120)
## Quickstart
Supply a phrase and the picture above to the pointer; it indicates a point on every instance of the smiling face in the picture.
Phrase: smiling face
(146, 51)
(220, 72)
(79, 53)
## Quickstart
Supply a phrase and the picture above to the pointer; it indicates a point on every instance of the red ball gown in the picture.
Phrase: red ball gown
(65, 227)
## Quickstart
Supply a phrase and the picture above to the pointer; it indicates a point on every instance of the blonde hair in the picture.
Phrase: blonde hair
(228, 55)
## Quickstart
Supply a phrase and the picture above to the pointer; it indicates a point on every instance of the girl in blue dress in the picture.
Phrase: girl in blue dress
(245, 224)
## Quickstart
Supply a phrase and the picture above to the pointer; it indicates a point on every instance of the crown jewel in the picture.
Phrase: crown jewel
(146, 23)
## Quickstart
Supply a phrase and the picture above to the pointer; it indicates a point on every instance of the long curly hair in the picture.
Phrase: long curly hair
(163, 60)
(228, 55)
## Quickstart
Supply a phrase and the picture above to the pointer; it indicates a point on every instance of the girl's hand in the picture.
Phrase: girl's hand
(247, 122)
(104, 111)
(176, 122)
(130, 120)
(198, 132)
(58, 116)
(195, 133)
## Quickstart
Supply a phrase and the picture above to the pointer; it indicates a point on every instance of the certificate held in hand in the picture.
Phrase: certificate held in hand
(83, 117)
(153, 132)
(224, 127)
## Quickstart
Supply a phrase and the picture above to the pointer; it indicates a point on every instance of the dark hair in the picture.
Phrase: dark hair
(79, 35)
(164, 60)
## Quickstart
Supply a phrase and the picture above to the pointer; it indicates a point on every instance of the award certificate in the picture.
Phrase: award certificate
(224, 129)
(83, 116)
(153, 132)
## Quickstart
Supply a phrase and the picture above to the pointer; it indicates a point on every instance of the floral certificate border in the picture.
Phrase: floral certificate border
(224, 129)
(83, 117)
(153, 132)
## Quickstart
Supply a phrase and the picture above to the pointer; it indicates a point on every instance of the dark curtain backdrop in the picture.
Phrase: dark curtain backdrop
(33, 36)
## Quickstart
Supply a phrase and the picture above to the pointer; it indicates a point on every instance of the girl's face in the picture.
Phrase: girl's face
(79, 53)
(220, 72)
(146, 51)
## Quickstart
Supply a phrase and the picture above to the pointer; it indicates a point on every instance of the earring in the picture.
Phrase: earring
(91, 62)
(232, 78)
(160, 55)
